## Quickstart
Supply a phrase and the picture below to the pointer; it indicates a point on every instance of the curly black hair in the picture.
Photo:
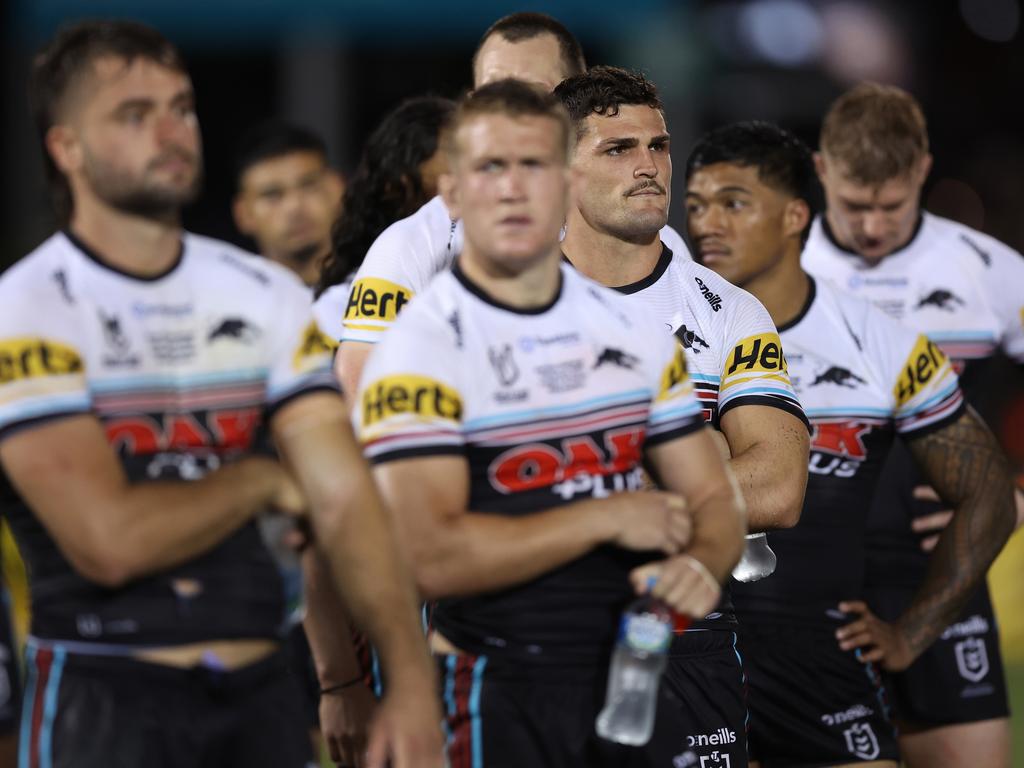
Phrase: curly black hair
(601, 90)
(386, 185)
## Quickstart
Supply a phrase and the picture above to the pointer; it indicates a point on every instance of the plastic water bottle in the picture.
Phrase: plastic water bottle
(641, 652)
(758, 559)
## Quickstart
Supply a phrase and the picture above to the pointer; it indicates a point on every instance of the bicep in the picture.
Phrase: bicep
(783, 434)
(424, 494)
(348, 367)
(690, 466)
(959, 457)
(69, 476)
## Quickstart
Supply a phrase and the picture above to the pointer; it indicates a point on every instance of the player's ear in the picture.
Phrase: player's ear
(63, 146)
(819, 166)
(924, 168)
(795, 217)
(449, 193)
(334, 184)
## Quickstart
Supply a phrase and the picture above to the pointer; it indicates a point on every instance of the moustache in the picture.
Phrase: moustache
(647, 184)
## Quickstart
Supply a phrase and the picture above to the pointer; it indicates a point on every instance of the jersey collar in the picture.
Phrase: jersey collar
(659, 269)
(485, 297)
(812, 290)
(96, 258)
(839, 246)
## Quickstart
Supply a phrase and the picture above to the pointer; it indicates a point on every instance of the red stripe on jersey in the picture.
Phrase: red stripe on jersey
(44, 660)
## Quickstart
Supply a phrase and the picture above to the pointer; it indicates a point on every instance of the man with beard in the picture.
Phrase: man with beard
(531, 47)
(287, 196)
(622, 160)
(136, 363)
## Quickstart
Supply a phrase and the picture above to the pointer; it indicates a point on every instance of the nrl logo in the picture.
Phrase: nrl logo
(504, 365)
(972, 659)
(861, 741)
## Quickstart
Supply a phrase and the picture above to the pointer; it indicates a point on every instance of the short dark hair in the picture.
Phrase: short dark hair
(781, 159)
(877, 132)
(508, 97)
(271, 139)
(526, 26)
(601, 91)
(61, 64)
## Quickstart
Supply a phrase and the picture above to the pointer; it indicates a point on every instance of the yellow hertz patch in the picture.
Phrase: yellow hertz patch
(36, 358)
(314, 344)
(923, 363)
(409, 393)
(674, 374)
(374, 299)
(761, 353)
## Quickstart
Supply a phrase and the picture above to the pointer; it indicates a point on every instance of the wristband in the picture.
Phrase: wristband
(341, 686)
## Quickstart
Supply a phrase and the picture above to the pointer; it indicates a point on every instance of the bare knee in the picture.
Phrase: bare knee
(983, 743)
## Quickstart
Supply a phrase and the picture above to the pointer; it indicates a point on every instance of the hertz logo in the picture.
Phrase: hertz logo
(674, 373)
(314, 344)
(36, 358)
(924, 362)
(757, 353)
(374, 299)
(419, 395)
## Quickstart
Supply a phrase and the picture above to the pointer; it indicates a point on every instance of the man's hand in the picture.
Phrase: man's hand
(406, 731)
(878, 640)
(935, 523)
(651, 520)
(682, 582)
(345, 717)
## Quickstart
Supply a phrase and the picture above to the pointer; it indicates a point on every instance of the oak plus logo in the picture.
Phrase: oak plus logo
(861, 741)
(971, 659)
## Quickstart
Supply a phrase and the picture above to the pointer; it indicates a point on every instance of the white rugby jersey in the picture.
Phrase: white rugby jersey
(548, 406)
(862, 378)
(962, 288)
(400, 264)
(733, 352)
(180, 369)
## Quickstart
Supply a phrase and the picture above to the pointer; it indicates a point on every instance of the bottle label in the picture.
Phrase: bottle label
(645, 632)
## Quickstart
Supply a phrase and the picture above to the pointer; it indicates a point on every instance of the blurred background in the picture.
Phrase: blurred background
(337, 66)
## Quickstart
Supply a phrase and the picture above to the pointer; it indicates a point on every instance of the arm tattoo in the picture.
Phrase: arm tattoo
(966, 467)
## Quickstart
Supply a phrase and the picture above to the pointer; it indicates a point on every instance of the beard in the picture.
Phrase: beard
(305, 254)
(144, 195)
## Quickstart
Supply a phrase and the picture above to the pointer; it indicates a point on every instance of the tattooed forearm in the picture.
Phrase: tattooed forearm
(966, 467)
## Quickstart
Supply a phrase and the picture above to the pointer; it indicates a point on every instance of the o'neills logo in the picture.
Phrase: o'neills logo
(719, 737)
(419, 395)
(713, 298)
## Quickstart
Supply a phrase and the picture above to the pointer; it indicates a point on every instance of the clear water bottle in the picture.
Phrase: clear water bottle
(641, 652)
(758, 559)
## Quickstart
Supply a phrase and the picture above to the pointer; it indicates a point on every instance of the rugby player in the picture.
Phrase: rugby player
(137, 362)
(531, 47)
(507, 414)
(965, 291)
(863, 379)
(621, 157)
(397, 173)
(10, 681)
(396, 176)
(287, 196)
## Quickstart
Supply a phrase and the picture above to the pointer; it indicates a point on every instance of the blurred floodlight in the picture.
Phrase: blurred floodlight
(862, 43)
(787, 33)
(995, 20)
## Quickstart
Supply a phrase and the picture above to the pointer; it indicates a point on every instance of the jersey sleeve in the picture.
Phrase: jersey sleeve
(301, 354)
(329, 309)
(409, 402)
(755, 371)
(399, 265)
(675, 410)
(1005, 275)
(925, 389)
(42, 357)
